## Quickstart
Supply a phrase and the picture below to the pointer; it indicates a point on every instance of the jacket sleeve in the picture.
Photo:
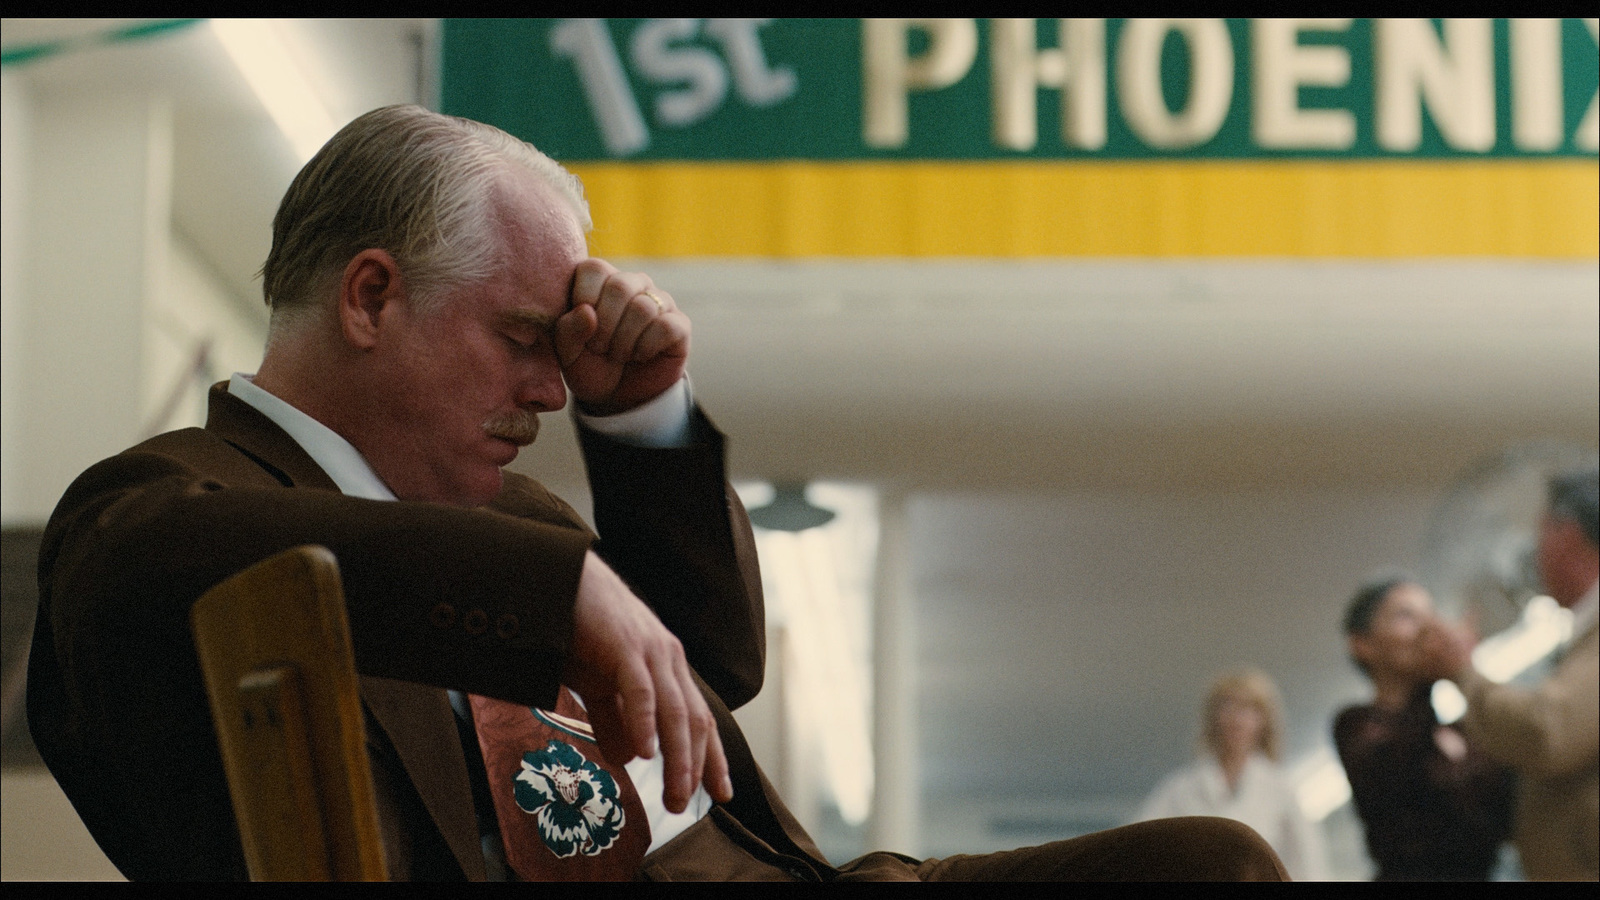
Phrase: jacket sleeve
(1549, 730)
(467, 599)
(673, 528)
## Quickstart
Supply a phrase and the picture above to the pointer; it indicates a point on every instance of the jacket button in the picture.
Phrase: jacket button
(476, 622)
(443, 616)
(507, 627)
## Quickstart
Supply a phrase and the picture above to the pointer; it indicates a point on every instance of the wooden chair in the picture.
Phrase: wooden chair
(274, 647)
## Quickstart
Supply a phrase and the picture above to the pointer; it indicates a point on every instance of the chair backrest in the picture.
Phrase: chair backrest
(274, 647)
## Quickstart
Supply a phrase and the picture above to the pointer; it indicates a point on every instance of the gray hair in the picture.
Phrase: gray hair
(1575, 495)
(411, 182)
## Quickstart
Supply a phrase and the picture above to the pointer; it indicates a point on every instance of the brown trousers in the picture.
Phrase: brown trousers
(1196, 848)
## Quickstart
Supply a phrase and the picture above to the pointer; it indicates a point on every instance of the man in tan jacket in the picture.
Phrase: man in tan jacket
(1549, 734)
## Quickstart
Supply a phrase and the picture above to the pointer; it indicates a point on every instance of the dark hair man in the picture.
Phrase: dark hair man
(1434, 807)
(431, 295)
(1551, 733)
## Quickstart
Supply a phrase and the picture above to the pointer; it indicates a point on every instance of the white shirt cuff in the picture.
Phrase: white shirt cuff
(661, 422)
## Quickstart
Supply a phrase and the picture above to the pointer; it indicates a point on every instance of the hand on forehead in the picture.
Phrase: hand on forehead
(624, 341)
(595, 281)
(633, 320)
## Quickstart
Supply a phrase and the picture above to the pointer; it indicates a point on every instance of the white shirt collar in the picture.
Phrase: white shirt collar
(662, 422)
(343, 463)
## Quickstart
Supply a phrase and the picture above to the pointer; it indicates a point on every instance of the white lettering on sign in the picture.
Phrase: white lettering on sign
(704, 80)
(890, 73)
(663, 55)
(1210, 81)
(1077, 68)
(757, 83)
(1453, 77)
(587, 42)
(1536, 83)
(688, 69)
(1587, 137)
(1280, 67)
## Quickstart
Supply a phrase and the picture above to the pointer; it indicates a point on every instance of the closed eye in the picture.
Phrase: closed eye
(528, 330)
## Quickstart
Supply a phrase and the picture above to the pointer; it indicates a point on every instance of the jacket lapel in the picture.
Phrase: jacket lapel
(416, 719)
(258, 437)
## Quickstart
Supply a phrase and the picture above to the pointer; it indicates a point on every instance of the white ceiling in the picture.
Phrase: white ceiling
(869, 369)
(1206, 373)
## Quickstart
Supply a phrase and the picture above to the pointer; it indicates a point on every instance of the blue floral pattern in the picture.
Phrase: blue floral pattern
(574, 801)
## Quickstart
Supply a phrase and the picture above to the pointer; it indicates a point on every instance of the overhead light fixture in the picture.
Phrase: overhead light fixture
(790, 510)
(818, 583)
(256, 47)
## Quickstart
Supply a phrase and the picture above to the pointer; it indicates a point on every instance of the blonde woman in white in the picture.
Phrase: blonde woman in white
(1238, 777)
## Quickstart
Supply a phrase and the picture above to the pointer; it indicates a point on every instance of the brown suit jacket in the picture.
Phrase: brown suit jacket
(1551, 735)
(439, 597)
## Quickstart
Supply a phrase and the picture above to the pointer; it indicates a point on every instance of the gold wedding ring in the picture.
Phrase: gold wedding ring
(660, 306)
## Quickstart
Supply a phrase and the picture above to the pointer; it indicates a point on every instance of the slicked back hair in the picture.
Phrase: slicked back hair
(411, 182)
(1575, 495)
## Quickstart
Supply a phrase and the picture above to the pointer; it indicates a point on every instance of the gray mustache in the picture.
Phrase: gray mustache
(520, 427)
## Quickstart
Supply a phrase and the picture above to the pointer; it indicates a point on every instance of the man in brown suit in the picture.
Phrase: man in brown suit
(431, 294)
(1550, 733)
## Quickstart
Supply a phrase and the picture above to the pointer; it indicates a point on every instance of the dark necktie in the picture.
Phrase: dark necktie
(565, 813)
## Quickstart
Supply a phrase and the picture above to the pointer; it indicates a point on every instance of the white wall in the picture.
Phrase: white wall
(105, 307)
(16, 130)
(194, 310)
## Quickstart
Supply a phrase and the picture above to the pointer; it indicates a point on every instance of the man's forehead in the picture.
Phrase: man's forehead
(538, 212)
(541, 246)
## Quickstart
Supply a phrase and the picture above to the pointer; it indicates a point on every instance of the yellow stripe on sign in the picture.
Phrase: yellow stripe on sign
(1546, 209)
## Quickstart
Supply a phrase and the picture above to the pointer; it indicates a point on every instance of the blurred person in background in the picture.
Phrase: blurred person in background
(1550, 734)
(1435, 807)
(1238, 777)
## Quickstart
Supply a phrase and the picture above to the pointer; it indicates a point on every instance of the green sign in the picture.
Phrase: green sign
(990, 89)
